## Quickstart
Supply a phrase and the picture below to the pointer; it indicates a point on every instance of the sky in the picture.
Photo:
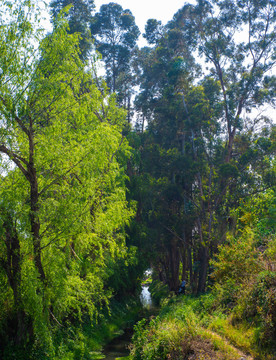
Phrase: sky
(143, 10)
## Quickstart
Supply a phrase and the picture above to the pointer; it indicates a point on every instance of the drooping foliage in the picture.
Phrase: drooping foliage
(63, 204)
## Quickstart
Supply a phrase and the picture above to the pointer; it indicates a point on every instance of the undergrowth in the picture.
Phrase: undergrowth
(196, 328)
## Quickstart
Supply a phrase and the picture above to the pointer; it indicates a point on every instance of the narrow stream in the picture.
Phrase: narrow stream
(118, 347)
(145, 297)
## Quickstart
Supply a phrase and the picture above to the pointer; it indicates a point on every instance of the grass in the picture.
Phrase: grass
(241, 335)
(187, 326)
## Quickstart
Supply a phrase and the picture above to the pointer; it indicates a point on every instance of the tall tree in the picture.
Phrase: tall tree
(115, 34)
(63, 205)
(208, 124)
(240, 66)
(79, 17)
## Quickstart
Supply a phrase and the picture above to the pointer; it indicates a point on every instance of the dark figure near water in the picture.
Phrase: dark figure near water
(182, 288)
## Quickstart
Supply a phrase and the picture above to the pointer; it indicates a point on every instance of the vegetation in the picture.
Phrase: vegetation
(236, 318)
(163, 163)
(63, 205)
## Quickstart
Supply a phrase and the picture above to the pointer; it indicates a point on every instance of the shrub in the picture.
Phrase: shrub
(258, 304)
(161, 339)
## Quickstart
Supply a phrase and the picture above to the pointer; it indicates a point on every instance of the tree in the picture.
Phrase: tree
(63, 205)
(200, 135)
(153, 31)
(240, 68)
(115, 34)
(79, 17)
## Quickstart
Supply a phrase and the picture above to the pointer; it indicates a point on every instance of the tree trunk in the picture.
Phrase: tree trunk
(203, 269)
(184, 264)
(174, 261)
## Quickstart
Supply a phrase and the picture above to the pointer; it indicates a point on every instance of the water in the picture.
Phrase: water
(145, 297)
(118, 347)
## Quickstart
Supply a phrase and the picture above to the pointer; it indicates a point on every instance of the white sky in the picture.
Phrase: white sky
(143, 10)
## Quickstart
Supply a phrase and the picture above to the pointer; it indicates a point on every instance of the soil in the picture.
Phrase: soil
(202, 349)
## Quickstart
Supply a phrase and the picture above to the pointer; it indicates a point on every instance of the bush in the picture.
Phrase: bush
(257, 303)
(160, 340)
(159, 291)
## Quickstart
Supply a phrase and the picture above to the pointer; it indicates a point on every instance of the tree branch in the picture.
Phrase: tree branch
(15, 158)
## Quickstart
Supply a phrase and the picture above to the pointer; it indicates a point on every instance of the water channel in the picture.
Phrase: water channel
(118, 347)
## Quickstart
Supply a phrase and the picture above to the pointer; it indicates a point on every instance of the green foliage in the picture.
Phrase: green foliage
(201, 153)
(115, 34)
(158, 291)
(257, 304)
(160, 340)
(180, 331)
(63, 202)
(79, 15)
(236, 259)
(244, 273)
(124, 273)
(153, 31)
(240, 306)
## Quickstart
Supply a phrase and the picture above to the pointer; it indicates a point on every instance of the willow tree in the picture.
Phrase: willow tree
(63, 206)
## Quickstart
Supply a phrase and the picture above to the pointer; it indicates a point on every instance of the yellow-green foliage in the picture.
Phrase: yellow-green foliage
(236, 260)
(163, 337)
(64, 136)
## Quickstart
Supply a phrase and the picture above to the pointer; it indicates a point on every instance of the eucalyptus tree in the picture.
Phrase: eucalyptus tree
(63, 202)
(237, 40)
(116, 35)
(164, 155)
(205, 119)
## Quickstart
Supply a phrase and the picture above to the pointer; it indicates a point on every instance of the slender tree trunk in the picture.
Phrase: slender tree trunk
(203, 260)
(190, 267)
(113, 75)
(174, 261)
(128, 109)
(35, 228)
(184, 264)
(203, 269)
(143, 123)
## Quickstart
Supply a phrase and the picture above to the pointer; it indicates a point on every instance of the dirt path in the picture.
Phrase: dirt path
(233, 352)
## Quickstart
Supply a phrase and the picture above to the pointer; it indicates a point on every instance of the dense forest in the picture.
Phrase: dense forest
(116, 159)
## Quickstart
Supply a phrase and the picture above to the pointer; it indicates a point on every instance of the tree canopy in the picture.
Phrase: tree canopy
(79, 15)
(63, 204)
